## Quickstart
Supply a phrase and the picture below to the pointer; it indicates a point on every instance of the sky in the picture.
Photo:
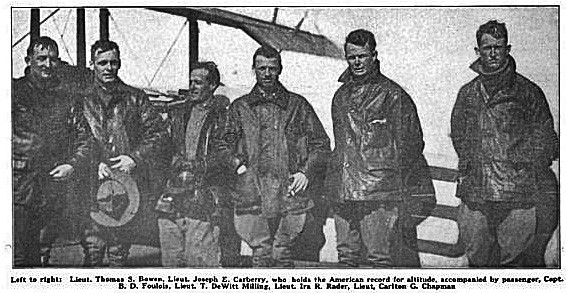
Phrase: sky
(426, 50)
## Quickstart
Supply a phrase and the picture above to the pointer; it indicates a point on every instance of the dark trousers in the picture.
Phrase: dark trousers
(375, 233)
(49, 235)
(27, 228)
(99, 241)
(47, 199)
(230, 241)
(311, 240)
(546, 224)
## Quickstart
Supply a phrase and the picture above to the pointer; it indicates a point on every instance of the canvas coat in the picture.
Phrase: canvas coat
(379, 143)
(503, 132)
(306, 147)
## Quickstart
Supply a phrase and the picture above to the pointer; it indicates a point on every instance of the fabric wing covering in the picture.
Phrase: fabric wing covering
(266, 33)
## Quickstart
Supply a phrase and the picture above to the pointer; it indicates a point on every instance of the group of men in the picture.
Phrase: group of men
(261, 169)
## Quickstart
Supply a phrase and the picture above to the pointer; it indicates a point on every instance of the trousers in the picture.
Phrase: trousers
(230, 242)
(47, 199)
(270, 239)
(373, 233)
(99, 241)
(496, 236)
(27, 228)
(187, 242)
(311, 240)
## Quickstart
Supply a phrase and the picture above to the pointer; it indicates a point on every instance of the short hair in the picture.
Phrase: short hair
(213, 75)
(493, 28)
(44, 42)
(267, 52)
(361, 37)
(103, 46)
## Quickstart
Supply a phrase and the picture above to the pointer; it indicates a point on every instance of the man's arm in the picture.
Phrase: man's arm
(406, 129)
(154, 138)
(461, 139)
(547, 145)
(225, 139)
(214, 163)
(80, 144)
(538, 144)
(318, 144)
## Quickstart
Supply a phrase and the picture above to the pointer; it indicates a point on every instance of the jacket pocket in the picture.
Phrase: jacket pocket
(377, 134)
(510, 181)
(246, 193)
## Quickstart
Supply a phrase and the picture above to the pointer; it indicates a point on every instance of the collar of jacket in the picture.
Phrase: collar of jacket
(347, 75)
(214, 103)
(205, 105)
(499, 79)
(113, 88)
(49, 85)
(280, 96)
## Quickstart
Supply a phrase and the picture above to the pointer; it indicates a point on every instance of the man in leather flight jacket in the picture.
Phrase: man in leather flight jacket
(377, 163)
(503, 132)
(196, 227)
(50, 142)
(276, 144)
(130, 137)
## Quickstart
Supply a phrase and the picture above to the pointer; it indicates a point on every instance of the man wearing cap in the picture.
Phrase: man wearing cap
(131, 140)
(503, 132)
(276, 144)
(378, 166)
(50, 141)
(196, 217)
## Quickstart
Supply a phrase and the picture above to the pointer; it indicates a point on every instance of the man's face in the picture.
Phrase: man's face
(267, 71)
(43, 62)
(106, 66)
(200, 88)
(361, 60)
(493, 52)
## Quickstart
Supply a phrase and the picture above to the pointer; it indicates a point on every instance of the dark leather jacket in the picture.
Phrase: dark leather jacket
(503, 132)
(48, 129)
(215, 113)
(128, 125)
(307, 147)
(210, 179)
(379, 142)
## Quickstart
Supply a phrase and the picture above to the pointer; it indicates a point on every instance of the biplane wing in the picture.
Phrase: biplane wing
(266, 33)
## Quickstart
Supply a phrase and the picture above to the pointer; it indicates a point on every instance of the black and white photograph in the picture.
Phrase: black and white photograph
(283, 148)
